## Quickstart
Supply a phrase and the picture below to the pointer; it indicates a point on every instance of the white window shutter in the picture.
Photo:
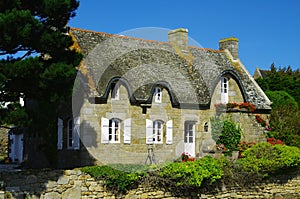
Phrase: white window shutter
(149, 131)
(104, 130)
(60, 126)
(169, 134)
(76, 133)
(127, 131)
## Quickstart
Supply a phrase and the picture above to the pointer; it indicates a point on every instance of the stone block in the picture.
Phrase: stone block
(63, 180)
(74, 193)
(52, 195)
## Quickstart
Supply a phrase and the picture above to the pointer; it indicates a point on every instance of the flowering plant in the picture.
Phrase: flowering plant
(185, 156)
(260, 120)
(247, 105)
(273, 141)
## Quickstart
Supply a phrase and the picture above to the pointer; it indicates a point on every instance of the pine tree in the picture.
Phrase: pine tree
(36, 63)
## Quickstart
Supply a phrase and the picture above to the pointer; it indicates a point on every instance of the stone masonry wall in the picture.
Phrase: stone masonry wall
(56, 184)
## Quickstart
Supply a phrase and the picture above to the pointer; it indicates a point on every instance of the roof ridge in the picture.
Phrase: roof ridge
(141, 39)
(118, 36)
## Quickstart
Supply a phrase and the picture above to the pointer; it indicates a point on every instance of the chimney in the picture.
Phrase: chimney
(231, 44)
(179, 38)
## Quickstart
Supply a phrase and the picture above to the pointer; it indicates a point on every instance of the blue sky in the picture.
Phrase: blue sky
(268, 30)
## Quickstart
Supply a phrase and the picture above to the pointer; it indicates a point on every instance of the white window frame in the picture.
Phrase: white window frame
(115, 91)
(224, 90)
(70, 134)
(158, 131)
(114, 130)
(189, 132)
(158, 95)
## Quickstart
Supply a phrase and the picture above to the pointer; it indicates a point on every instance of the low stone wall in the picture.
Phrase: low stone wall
(49, 184)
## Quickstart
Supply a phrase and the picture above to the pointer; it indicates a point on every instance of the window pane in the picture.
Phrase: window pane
(190, 139)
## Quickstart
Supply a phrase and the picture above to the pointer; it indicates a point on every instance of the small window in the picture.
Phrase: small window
(157, 131)
(224, 85)
(70, 133)
(115, 91)
(114, 131)
(224, 90)
(158, 94)
(205, 127)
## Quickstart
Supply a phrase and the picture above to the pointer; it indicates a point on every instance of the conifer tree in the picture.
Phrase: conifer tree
(36, 63)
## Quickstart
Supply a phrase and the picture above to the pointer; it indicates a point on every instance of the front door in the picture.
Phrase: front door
(189, 138)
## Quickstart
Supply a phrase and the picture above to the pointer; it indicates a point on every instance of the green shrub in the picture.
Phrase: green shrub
(265, 158)
(193, 173)
(119, 180)
(226, 132)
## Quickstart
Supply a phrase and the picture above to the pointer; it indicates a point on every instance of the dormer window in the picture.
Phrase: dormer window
(224, 90)
(115, 91)
(157, 95)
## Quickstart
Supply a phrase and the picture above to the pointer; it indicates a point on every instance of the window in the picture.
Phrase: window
(111, 130)
(224, 90)
(154, 131)
(115, 91)
(189, 132)
(73, 133)
(114, 131)
(157, 94)
(157, 131)
(70, 133)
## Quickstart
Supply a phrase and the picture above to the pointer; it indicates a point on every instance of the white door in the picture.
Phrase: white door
(189, 138)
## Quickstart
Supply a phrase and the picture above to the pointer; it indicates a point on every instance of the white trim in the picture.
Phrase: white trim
(76, 133)
(127, 131)
(104, 130)
(60, 127)
(149, 131)
(169, 132)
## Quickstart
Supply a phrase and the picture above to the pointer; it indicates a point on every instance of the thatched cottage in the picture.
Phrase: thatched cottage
(135, 100)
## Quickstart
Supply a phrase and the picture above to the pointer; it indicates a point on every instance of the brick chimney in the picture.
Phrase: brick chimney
(232, 45)
(179, 38)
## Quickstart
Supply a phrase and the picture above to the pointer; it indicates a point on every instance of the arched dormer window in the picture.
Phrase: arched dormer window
(224, 90)
(158, 95)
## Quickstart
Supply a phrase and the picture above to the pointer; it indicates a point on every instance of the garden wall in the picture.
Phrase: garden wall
(49, 184)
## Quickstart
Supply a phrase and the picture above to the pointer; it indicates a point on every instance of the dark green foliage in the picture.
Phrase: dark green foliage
(117, 180)
(226, 132)
(266, 159)
(282, 86)
(194, 173)
(282, 79)
(282, 99)
(36, 63)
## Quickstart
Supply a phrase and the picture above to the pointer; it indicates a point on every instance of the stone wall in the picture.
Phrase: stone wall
(3, 142)
(50, 184)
